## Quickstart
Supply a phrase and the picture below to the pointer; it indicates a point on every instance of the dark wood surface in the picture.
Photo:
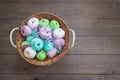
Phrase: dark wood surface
(96, 54)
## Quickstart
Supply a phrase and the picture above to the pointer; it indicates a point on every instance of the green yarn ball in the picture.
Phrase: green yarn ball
(41, 55)
(44, 22)
(54, 24)
(25, 43)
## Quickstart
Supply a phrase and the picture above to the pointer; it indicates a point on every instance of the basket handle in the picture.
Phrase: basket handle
(73, 38)
(11, 36)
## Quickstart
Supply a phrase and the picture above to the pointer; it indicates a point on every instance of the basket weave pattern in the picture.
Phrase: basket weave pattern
(48, 61)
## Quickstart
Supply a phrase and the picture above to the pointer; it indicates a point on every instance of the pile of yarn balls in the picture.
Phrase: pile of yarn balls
(43, 38)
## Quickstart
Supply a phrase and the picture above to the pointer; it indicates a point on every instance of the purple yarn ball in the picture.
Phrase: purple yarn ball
(59, 42)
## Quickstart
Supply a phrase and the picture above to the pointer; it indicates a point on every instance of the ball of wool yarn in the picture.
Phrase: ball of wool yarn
(59, 49)
(59, 33)
(44, 22)
(59, 42)
(54, 24)
(25, 44)
(34, 34)
(45, 32)
(25, 30)
(37, 44)
(41, 55)
(33, 22)
(29, 52)
(48, 45)
(52, 53)
(29, 38)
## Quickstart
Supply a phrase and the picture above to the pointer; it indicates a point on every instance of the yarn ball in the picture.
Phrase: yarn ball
(44, 22)
(52, 53)
(59, 42)
(34, 34)
(25, 30)
(29, 52)
(59, 33)
(33, 22)
(48, 45)
(37, 44)
(41, 55)
(25, 44)
(54, 24)
(45, 33)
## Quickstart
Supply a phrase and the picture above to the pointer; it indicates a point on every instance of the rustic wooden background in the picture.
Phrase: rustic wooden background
(96, 54)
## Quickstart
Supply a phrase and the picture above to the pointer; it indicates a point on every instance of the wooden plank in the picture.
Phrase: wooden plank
(76, 77)
(55, 1)
(50, 77)
(23, 76)
(64, 10)
(97, 45)
(112, 77)
(82, 27)
(70, 64)
(84, 77)
(57, 77)
(83, 45)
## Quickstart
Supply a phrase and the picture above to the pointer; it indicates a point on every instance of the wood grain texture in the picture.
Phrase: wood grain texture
(96, 54)
(50, 77)
(83, 45)
(76, 77)
(84, 77)
(76, 10)
(55, 1)
(57, 77)
(23, 76)
(78, 64)
(112, 77)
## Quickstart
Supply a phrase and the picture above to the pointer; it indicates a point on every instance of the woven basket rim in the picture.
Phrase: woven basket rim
(48, 61)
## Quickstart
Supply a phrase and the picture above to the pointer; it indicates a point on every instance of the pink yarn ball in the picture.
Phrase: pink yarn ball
(26, 30)
(45, 33)
(59, 42)
(52, 53)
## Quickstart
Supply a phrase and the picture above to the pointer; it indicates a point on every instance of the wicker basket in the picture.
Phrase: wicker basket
(48, 61)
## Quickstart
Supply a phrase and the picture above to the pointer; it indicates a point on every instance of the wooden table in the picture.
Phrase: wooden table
(96, 54)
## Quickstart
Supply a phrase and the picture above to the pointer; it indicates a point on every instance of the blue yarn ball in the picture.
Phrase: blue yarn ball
(37, 44)
(48, 45)
(29, 38)
(34, 34)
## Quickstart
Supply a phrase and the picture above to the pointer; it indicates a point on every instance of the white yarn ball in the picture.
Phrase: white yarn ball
(29, 52)
(33, 23)
(59, 33)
